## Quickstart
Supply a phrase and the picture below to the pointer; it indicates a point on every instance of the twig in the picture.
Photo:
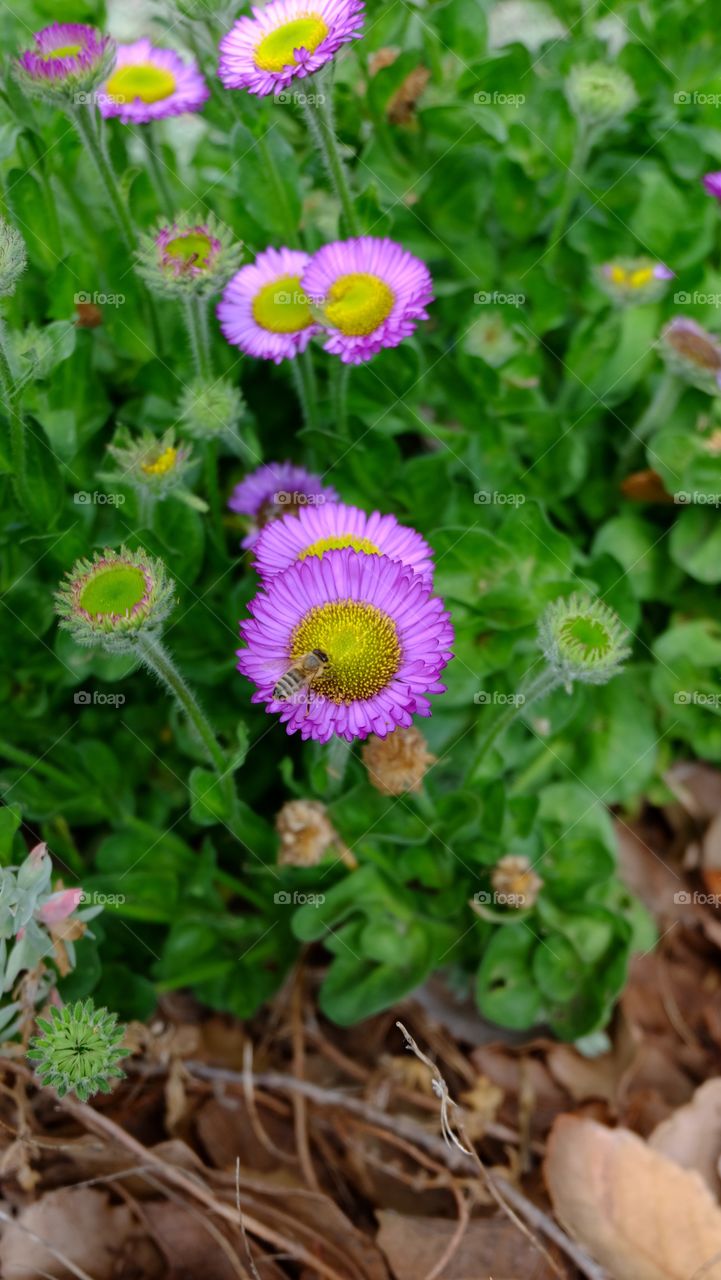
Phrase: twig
(508, 1198)
(299, 1114)
(253, 1268)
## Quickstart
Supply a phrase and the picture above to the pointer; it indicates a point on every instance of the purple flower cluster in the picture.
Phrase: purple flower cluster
(345, 636)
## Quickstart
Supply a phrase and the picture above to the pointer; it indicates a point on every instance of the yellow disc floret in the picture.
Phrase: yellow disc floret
(141, 80)
(277, 49)
(282, 307)
(161, 465)
(364, 652)
(358, 303)
(338, 543)
(67, 51)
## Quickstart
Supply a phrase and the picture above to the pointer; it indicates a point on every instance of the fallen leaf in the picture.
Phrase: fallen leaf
(639, 1214)
(692, 1135)
(491, 1249)
(78, 1223)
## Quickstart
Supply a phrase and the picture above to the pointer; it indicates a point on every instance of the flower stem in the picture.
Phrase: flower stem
(663, 403)
(340, 407)
(8, 391)
(196, 324)
(157, 659)
(94, 144)
(319, 115)
(544, 684)
(339, 753)
(303, 375)
(156, 167)
(574, 179)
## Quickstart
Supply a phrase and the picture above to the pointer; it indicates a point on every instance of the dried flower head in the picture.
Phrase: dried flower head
(187, 258)
(582, 639)
(114, 599)
(210, 407)
(78, 1050)
(600, 94)
(692, 353)
(13, 258)
(306, 833)
(515, 882)
(398, 763)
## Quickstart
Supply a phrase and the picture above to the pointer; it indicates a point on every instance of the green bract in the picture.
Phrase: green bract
(583, 640)
(114, 598)
(78, 1050)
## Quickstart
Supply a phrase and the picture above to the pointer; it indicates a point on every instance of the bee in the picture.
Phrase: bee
(301, 675)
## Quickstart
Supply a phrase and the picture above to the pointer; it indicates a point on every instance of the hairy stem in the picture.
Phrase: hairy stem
(318, 110)
(544, 684)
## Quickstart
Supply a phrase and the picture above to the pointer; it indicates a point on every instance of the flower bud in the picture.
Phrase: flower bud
(210, 407)
(582, 639)
(34, 873)
(397, 763)
(114, 599)
(151, 465)
(712, 183)
(693, 354)
(66, 62)
(599, 94)
(78, 1050)
(187, 259)
(634, 281)
(13, 258)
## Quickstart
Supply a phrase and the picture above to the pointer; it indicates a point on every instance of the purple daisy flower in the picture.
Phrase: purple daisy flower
(317, 530)
(64, 51)
(277, 489)
(377, 641)
(712, 183)
(264, 310)
(285, 39)
(150, 84)
(371, 293)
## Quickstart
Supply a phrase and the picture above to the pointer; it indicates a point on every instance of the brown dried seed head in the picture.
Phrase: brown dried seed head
(306, 833)
(399, 762)
(514, 877)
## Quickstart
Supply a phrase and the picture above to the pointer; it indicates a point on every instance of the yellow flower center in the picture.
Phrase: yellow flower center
(338, 543)
(635, 278)
(282, 307)
(277, 49)
(362, 644)
(192, 248)
(161, 465)
(141, 80)
(358, 303)
(67, 51)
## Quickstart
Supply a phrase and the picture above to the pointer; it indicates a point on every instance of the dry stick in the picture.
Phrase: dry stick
(205, 1222)
(99, 1123)
(249, 1095)
(464, 1217)
(300, 1120)
(246, 1245)
(510, 1195)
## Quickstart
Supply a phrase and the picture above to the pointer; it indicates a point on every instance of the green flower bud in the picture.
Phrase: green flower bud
(78, 1050)
(210, 407)
(114, 599)
(188, 259)
(600, 94)
(582, 640)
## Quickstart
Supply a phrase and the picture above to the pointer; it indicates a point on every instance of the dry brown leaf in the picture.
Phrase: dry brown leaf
(490, 1248)
(635, 1211)
(78, 1223)
(692, 1135)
